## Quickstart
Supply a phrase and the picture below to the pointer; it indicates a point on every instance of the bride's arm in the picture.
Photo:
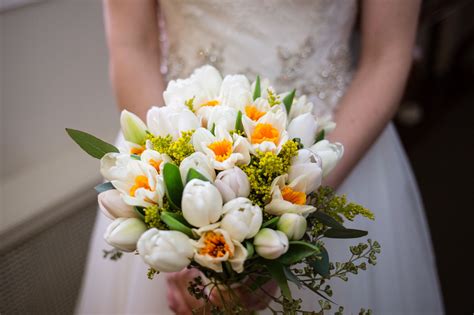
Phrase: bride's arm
(134, 53)
(388, 33)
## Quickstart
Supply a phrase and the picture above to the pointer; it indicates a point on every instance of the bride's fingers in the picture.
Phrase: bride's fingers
(179, 299)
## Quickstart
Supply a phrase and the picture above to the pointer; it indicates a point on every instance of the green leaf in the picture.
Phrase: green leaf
(250, 249)
(140, 212)
(257, 92)
(278, 274)
(320, 136)
(298, 251)
(174, 223)
(345, 233)
(271, 223)
(192, 174)
(238, 122)
(321, 263)
(258, 282)
(213, 129)
(104, 187)
(173, 184)
(326, 219)
(290, 276)
(135, 156)
(93, 146)
(288, 100)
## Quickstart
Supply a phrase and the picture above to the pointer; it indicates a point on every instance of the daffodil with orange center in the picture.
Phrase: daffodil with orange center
(289, 197)
(215, 246)
(267, 133)
(155, 159)
(223, 150)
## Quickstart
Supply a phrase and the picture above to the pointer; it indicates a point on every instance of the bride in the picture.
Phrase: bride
(302, 44)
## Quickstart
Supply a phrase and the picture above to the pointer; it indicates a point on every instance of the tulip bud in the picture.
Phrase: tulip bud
(270, 244)
(304, 127)
(225, 117)
(133, 128)
(200, 163)
(201, 203)
(330, 154)
(166, 251)
(113, 206)
(293, 225)
(233, 183)
(242, 219)
(123, 233)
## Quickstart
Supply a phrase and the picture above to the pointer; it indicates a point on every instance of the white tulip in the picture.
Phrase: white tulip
(123, 233)
(293, 225)
(171, 120)
(201, 203)
(200, 162)
(166, 251)
(242, 219)
(299, 107)
(215, 246)
(303, 127)
(308, 164)
(114, 165)
(232, 183)
(113, 206)
(224, 117)
(270, 244)
(330, 154)
(133, 128)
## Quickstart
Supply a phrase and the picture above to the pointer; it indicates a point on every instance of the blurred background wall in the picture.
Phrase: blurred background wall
(54, 75)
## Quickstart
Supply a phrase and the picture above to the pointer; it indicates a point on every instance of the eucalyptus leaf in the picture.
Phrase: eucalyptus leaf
(238, 122)
(278, 274)
(104, 187)
(326, 219)
(270, 223)
(298, 251)
(173, 184)
(320, 136)
(92, 145)
(290, 276)
(193, 173)
(257, 92)
(174, 224)
(139, 211)
(288, 101)
(321, 263)
(344, 233)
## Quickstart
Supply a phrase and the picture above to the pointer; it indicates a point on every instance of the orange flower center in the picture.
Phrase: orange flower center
(293, 196)
(137, 151)
(156, 164)
(214, 245)
(222, 149)
(141, 181)
(210, 103)
(253, 113)
(265, 132)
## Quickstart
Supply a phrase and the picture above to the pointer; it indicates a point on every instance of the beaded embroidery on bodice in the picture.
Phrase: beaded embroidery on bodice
(302, 44)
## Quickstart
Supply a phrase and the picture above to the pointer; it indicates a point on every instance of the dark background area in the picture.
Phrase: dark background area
(436, 125)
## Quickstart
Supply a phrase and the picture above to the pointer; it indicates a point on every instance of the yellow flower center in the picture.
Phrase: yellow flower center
(137, 151)
(222, 149)
(293, 196)
(141, 181)
(210, 103)
(265, 132)
(253, 113)
(156, 164)
(215, 245)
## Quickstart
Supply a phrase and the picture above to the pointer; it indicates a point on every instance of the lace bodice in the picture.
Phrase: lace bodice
(300, 44)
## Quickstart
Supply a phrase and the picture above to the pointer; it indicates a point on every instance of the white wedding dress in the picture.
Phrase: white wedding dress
(302, 44)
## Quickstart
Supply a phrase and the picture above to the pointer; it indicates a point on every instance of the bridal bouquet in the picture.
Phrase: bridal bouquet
(226, 178)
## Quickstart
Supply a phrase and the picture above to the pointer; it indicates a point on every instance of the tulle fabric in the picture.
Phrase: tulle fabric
(404, 281)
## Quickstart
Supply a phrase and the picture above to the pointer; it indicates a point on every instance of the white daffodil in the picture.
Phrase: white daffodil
(114, 165)
(155, 159)
(270, 244)
(133, 128)
(242, 219)
(305, 128)
(289, 198)
(201, 203)
(215, 246)
(123, 233)
(268, 133)
(142, 186)
(223, 150)
(113, 206)
(171, 120)
(165, 251)
(330, 154)
(232, 183)
(200, 162)
(293, 225)
(308, 164)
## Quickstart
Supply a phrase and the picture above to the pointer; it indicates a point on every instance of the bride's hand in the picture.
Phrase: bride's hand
(182, 303)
